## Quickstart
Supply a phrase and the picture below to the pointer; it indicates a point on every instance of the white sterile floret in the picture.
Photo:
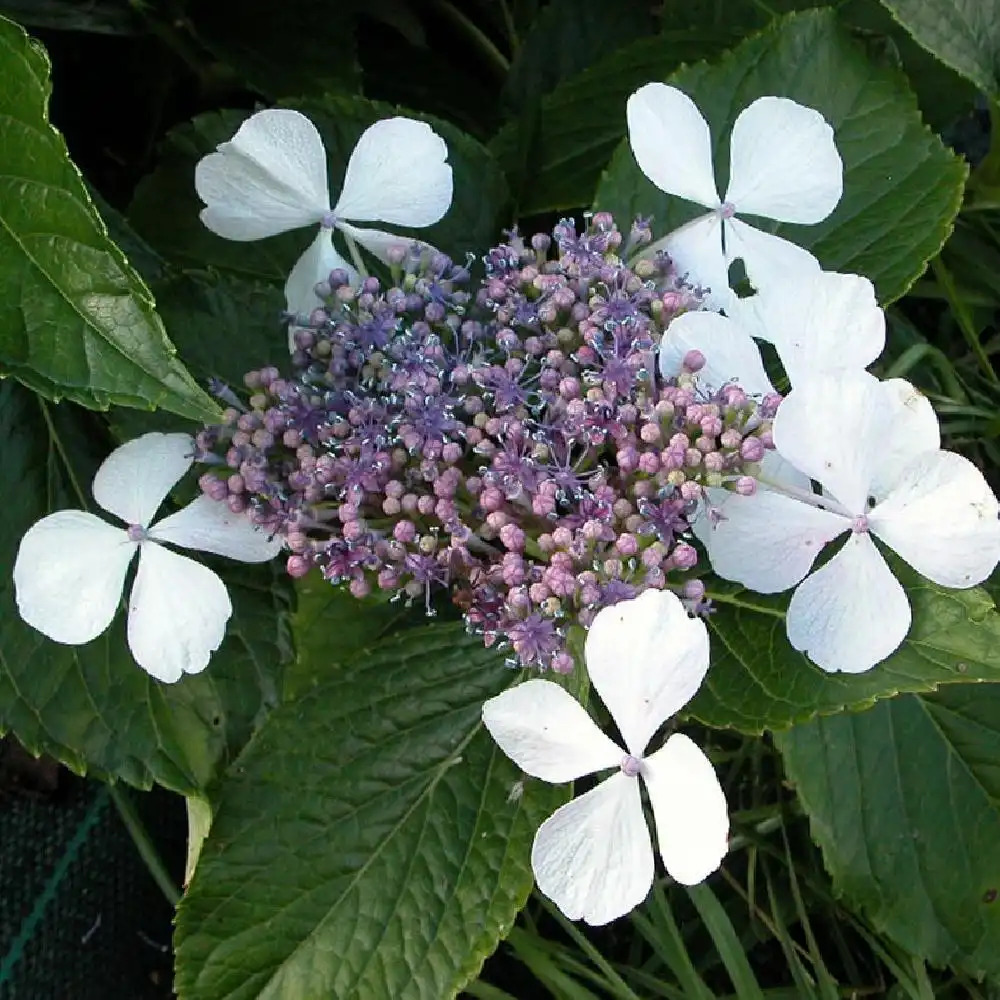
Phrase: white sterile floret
(819, 322)
(592, 857)
(874, 447)
(70, 568)
(271, 178)
(783, 165)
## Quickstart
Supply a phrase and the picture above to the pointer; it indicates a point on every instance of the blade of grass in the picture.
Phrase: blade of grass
(727, 943)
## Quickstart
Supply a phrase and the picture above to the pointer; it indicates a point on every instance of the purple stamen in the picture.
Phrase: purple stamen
(328, 221)
(136, 533)
(631, 765)
(860, 525)
(726, 210)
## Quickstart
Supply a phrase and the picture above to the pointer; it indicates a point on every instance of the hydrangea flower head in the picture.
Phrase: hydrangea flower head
(874, 448)
(271, 178)
(783, 165)
(70, 568)
(646, 659)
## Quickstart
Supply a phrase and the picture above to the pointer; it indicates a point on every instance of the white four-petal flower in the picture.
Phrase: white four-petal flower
(783, 165)
(271, 178)
(874, 448)
(70, 568)
(646, 659)
(819, 322)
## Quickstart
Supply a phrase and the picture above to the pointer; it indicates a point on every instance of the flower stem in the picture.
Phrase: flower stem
(144, 844)
(355, 253)
(475, 34)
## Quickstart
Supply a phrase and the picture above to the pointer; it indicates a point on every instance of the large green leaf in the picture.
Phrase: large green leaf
(904, 801)
(564, 39)
(366, 844)
(165, 209)
(75, 320)
(964, 34)
(91, 706)
(561, 151)
(902, 188)
(323, 610)
(757, 681)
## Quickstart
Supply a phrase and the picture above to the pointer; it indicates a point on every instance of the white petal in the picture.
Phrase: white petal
(646, 659)
(397, 173)
(774, 471)
(913, 430)
(547, 732)
(592, 857)
(769, 541)
(769, 260)
(69, 573)
(135, 478)
(269, 178)
(692, 820)
(177, 614)
(696, 250)
(783, 162)
(818, 323)
(730, 353)
(378, 242)
(831, 428)
(851, 613)
(671, 143)
(941, 517)
(210, 526)
(314, 266)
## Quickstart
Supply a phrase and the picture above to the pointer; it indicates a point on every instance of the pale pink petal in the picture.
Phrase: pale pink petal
(769, 541)
(832, 428)
(941, 517)
(136, 477)
(769, 261)
(208, 525)
(783, 162)
(692, 820)
(851, 613)
(671, 143)
(548, 733)
(819, 323)
(314, 266)
(269, 178)
(730, 353)
(177, 614)
(646, 659)
(913, 430)
(592, 857)
(398, 173)
(69, 573)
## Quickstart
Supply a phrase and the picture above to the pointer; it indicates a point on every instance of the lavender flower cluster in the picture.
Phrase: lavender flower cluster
(512, 444)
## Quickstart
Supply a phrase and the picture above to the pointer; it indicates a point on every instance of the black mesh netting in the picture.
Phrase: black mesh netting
(80, 916)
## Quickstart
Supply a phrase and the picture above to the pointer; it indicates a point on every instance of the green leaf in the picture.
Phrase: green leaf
(323, 610)
(165, 209)
(564, 39)
(75, 320)
(904, 801)
(280, 49)
(91, 706)
(757, 681)
(963, 34)
(902, 188)
(583, 120)
(366, 844)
